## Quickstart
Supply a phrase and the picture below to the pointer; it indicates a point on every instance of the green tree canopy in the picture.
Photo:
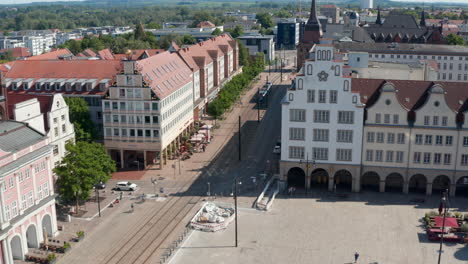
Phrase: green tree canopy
(85, 164)
(236, 32)
(153, 25)
(455, 40)
(265, 20)
(216, 32)
(85, 129)
(243, 54)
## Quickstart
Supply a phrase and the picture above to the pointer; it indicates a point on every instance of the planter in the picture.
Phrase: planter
(78, 239)
(52, 261)
(65, 250)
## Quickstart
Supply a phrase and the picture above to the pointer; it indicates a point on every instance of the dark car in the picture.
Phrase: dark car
(100, 186)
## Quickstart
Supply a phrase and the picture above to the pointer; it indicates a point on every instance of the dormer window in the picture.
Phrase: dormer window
(89, 86)
(25, 86)
(57, 87)
(14, 86)
(47, 86)
(68, 87)
(38, 86)
(102, 87)
(78, 86)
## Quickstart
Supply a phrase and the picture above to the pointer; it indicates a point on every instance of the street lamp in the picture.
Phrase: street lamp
(97, 197)
(236, 183)
(444, 204)
(208, 193)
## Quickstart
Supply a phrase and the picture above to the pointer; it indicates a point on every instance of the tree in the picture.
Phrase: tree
(243, 54)
(140, 33)
(85, 130)
(236, 32)
(454, 40)
(6, 56)
(153, 25)
(188, 39)
(216, 32)
(84, 165)
(265, 20)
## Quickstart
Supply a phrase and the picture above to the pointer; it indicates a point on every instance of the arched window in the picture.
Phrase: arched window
(354, 99)
(291, 97)
(328, 55)
(309, 69)
(337, 70)
(346, 85)
(319, 55)
(300, 83)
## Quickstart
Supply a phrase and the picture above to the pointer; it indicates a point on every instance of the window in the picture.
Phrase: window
(56, 131)
(448, 140)
(377, 118)
(395, 119)
(124, 132)
(345, 136)
(139, 132)
(14, 209)
(155, 133)
(387, 118)
(155, 119)
(296, 133)
(333, 97)
(418, 139)
(321, 116)
(147, 119)
(391, 138)
(401, 138)
(371, 137)
(46, 189)
(311, 96)
(378, 155)
(428, 140)
(36, 168)
(438, 140)
(435, 120)
(20, 176)
(115, 118)
(437, 158)
(296, 152)
(64, 128)
(447, 159)
(322, 96)
(123, 119)
(30, 198)
(7, 212)
(320, 135)
(345, 117)
(344, 154)
(464, 160)
(291, 97)
(122, 92)
(24, 202)
(465, 141)
(380, 137)
(147, 133)
(399, 156)
(320, 153)
(116, 132)
(417, 157)
(426, 120)
(28, 173)
(427, 158)
(297, 115)
(369, 155)
(63, 117)
(155, 106)
(43, 165)
(106, 105)
(389, 156)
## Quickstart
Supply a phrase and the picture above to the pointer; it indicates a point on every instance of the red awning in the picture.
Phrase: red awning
(449, 221)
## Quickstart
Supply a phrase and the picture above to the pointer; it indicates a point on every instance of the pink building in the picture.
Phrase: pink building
(27, 193)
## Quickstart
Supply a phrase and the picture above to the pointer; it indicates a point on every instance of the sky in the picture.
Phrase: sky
(426, 1)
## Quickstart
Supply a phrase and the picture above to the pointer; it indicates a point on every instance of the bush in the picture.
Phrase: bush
(464, 228)
(80, 233)
(51, 257)
(66, 245)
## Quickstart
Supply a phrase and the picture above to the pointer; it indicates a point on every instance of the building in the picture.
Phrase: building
(49, 115)
(18, 53)
(311, 34)
(27, 198)
(147, 110)
(403, 29)
(321, 124)
(367, 4)
(259, 44)
(287, 35)
(451, 61)
(199, 33)
(332, 12)
(372, 134)
(88, 79)
(213, 63)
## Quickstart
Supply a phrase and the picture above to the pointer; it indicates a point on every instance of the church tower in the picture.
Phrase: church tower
(312, 34)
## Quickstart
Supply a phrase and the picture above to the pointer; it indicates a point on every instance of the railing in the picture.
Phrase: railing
(174, 246)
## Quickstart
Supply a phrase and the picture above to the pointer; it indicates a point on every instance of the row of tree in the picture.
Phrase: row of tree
(231, 91)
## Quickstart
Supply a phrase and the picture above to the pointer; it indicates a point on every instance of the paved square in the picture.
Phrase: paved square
(383, 228)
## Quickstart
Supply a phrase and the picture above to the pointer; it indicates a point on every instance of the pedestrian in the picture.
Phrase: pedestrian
(356, 256)
(334, 188)
(121, 193)
(131, 206)
(204, 147)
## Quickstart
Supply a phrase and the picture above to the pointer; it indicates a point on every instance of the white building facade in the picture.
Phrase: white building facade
(321, 126)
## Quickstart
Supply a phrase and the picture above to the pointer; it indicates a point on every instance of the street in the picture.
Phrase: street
(141, 236)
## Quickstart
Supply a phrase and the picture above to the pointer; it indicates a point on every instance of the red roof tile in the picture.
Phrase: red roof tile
(89, 53)
(205, 24)
(53, 55)
(411, 94)
(164, 73)
(106, 54)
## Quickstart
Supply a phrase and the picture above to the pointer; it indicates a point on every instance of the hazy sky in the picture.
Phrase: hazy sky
(3, 2)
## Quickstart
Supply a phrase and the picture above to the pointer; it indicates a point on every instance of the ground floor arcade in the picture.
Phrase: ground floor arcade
(139, 156)
(27, 233)
(361, 178)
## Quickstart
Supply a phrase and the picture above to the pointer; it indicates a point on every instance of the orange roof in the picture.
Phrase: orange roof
(96, 70)
(106, 54)
(205, 24)
(164, 73)
(89, 53)
(18, 52)
(203, 53)
(53, 55)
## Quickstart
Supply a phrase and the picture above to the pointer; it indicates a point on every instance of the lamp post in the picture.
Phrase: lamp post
(209, 189)
(236, 183)
(154, 182)
(98, 200)
(444, 203)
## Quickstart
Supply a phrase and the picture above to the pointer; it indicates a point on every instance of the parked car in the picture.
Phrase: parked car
(277, 149)
(100, 186)
(125, 186)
